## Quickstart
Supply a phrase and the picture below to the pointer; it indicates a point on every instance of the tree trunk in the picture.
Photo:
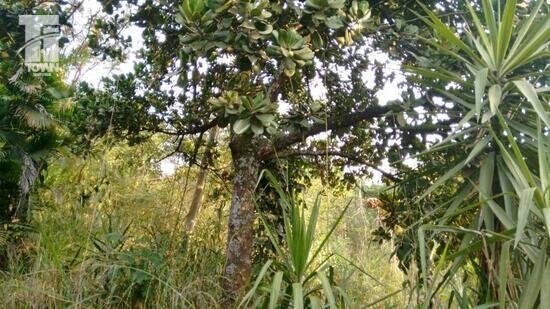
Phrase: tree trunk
(199, 189)
(240, 236)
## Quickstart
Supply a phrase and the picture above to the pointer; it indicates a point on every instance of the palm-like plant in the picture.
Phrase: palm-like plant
(29, 132)
(497, 81)
(298, 264)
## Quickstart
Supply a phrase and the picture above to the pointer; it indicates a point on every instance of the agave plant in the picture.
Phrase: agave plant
(299, 275)
(504, 177)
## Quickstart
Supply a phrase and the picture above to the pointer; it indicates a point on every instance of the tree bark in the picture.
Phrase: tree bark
(199, 189)
(240, 238)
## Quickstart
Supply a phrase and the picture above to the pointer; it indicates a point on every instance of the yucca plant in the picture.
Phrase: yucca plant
(299, 277)
(497, 82)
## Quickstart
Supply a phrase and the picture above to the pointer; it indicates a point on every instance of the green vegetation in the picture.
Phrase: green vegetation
(236, 165)
(106, 233)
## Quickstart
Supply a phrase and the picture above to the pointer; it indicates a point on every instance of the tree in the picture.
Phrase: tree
(209, 64)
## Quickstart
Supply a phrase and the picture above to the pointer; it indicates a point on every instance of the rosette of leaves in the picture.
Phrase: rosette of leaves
(229, 104)
(323, 10)
(304, 116)
(258, 116)
(292, 49)
(246, 114)
(357, 20)
(256, 24)
(349, 26)
(198, 17)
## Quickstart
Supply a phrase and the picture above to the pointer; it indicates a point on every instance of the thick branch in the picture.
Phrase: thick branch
(333, 123)
(348, 156)
(194, 130)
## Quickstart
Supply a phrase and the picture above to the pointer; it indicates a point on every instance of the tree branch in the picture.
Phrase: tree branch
(333, 123)
(194, 130)
(350, 157)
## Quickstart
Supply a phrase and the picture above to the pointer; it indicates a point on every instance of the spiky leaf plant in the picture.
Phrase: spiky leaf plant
(299, 274)
(495, 74)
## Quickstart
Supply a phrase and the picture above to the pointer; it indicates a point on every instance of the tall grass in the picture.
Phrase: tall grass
(105, 234)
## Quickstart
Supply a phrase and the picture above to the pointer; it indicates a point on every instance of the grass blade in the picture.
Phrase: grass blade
(259, 279)
(275, 289)
(504, 265)
(534, 282)
(328, 289)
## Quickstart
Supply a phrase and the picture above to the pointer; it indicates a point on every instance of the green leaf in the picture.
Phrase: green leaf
(525, 28)
(503, 269)
(451, 173)
(480, 82)
(290, 39)
(304, 54)
(327, 236)
(316, 40)
(544, 163)
(327, 289)
(240, 126)
(422, 253)
(258, 129)
(529, 50)
(545, 296)
(401, 119)
(495, 96)
(531, 94)
(505, 31)
(525, 201)
(298, 295)
(315, 302)
(259, 279)
(534, 282)
(486, 175)
(480, 28)
(546, 212)
(275, 289)
(266, 119)
(446, 33)
(507, 190)
(334, 22)
(490, 21)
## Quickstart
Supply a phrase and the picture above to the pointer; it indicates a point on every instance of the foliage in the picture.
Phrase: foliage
(299, 274)
(106, 235)
(498, 207)
(470, 222)
(32, 111)
(257, 114)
